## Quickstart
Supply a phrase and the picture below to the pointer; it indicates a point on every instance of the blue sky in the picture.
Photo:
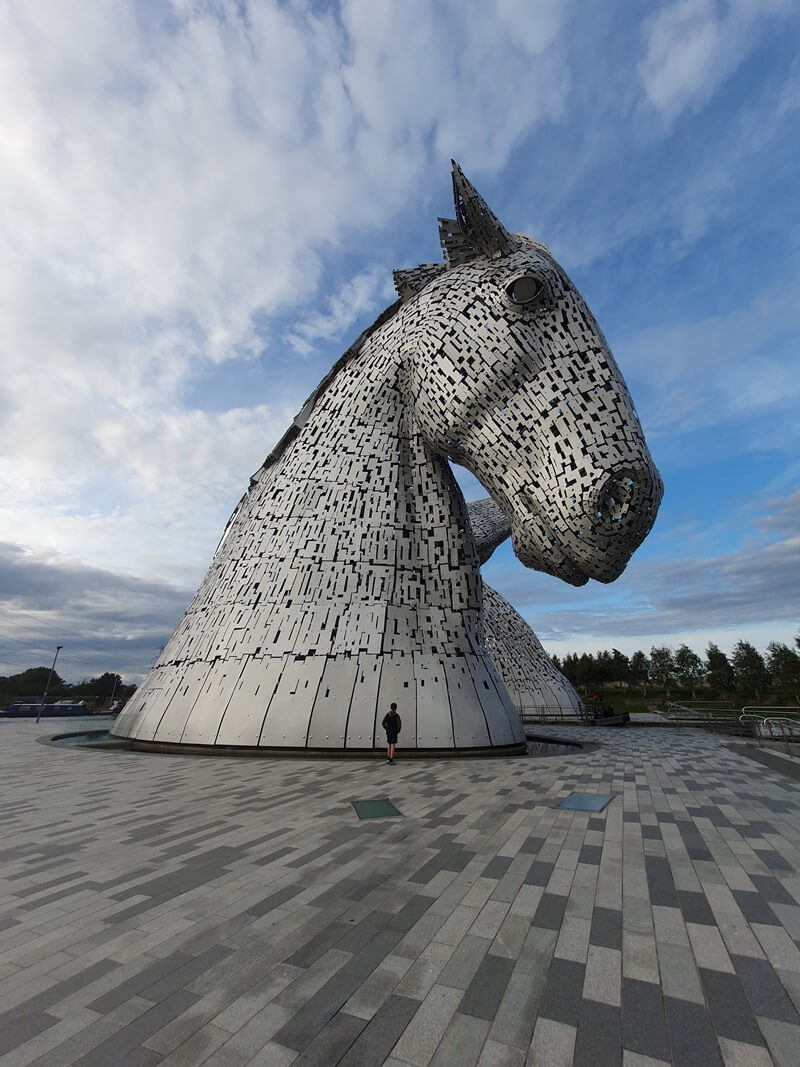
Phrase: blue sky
(202, 203)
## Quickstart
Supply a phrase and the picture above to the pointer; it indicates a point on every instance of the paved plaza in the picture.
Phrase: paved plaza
(165, 909)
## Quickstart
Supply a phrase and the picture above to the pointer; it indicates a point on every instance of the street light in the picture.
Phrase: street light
(113, 691)
(49, 678)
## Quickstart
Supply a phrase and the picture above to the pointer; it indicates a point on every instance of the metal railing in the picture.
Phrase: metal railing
(783, 730)
(545, 713)
(707, 710)
(763, 725)
(750, 720)
(758, 709)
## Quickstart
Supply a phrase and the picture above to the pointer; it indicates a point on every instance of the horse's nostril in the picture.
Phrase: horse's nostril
(615, 499)
(624, 498)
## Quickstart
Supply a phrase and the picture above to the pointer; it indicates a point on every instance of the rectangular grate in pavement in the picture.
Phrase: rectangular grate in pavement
(586, 801)
(380, 808)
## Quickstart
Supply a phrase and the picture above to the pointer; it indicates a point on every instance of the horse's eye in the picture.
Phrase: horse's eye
(525, 290)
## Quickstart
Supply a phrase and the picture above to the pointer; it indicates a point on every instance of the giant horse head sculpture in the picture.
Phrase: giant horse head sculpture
(348, 576)
(519, 386)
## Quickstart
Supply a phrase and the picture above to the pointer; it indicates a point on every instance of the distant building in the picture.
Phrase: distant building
(21, 710)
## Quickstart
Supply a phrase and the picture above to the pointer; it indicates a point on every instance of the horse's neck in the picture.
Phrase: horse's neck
(358, 508)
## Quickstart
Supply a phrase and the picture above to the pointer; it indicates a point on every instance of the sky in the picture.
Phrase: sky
(201, 203)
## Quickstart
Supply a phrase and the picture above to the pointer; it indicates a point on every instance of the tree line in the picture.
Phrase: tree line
(745, 672)
(28, 686)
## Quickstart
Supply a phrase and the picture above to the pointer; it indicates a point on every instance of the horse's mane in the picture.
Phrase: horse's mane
(474, 232)
(303, 415)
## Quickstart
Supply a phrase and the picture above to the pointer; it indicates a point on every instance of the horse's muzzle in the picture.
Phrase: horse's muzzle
(591, 538)
(626, 503)
(618, 517)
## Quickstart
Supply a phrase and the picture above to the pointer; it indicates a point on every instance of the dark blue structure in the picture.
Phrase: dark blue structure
(20, 710)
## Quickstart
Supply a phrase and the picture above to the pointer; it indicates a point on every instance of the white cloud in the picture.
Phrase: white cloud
(753, 589)
(732, 367)
(175, 179)
(166, 482)
(693, 46)
(104, 621)
(171, 177)
(356, 297)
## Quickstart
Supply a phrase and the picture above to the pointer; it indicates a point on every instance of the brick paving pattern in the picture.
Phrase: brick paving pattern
(174, 910)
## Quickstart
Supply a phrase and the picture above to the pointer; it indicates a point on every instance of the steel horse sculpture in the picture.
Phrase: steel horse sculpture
(348, 575)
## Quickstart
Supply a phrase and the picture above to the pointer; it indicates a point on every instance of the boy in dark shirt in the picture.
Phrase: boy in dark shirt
(391, 724)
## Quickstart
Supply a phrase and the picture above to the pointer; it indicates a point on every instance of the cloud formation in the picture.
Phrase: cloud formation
(203, 199)
(171, 177)
(730, 591)
(355, 298)
(693, 46)
(96, 615)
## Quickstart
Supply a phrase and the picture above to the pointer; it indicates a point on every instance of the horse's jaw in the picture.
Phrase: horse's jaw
(590, 543)
(529, 548)
(556, 560)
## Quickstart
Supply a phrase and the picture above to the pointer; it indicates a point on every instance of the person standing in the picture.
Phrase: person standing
(391, 724)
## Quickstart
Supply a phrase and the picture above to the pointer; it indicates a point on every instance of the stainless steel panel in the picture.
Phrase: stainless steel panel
(434, 720)
(329, 716)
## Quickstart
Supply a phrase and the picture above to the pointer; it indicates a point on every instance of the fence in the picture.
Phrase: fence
(781, 729)
(544, 713)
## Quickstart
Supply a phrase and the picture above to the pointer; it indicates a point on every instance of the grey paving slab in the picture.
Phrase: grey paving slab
(426, 1028)
(462, 1042)
(563, 991)
(606, 929)
(19, 1028)
(189, 911)
(130, 1039)
(731, 1014)
(487, 987)
(764, 990)
(691, 1035)
(331, 1043)
(783, 1041)
(644, 1023)
(553, 1043)
(382, 1033)
(599, 1038)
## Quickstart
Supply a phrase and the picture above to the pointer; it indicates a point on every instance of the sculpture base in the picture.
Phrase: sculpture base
(176, 748)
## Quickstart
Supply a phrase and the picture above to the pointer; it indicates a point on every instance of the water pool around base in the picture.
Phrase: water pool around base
(555, 746)
(102, 739)
(89, 739)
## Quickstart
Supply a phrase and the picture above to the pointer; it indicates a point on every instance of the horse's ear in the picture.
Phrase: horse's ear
(480, 227)
(410, 282)
(457, 249)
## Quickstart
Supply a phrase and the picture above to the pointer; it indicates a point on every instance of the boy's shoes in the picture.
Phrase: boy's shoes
(391, 761)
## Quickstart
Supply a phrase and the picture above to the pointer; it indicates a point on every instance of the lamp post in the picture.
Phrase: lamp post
(113, 691)
(49, 679)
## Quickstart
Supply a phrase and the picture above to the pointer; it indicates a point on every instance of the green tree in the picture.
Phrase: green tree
(719, 673)
(749, 670)
(29, 686)
(105, 685)
(662, 667)
(587, 670)
(603, 668)
(689, 668)
(620, 666)
(569, 667)
(783, 664)
(640, 670)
